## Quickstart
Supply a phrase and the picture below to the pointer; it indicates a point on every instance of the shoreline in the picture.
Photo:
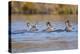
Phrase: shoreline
(34, 46)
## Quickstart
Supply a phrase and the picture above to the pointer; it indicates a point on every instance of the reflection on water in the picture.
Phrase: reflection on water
(44, 18)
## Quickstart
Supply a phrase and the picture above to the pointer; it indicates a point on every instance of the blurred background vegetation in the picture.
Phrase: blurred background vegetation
(18, 7)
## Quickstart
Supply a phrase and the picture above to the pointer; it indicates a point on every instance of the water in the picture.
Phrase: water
(19, 33)
(26, 41)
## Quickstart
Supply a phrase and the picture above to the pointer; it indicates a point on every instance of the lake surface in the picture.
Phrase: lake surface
(23, 41)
